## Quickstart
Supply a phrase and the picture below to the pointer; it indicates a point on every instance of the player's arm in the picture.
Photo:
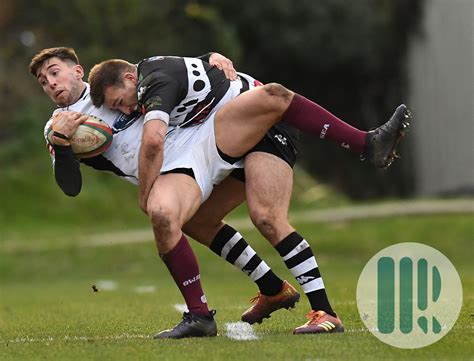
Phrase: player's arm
(162, 95)
(150, 157)
(220, 62)
(66, 166)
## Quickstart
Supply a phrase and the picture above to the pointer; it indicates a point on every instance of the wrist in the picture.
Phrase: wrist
(61, 138)
(61, 142)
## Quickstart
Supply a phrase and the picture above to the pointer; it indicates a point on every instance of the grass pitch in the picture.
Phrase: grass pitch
(49, 311)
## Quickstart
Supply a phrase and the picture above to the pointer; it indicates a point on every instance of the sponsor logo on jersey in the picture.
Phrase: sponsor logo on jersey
(141, 91)
(151, 103)
(124, 121)
(345, 145)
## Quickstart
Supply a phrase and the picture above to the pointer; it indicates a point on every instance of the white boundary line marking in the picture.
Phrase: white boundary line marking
(126, 336)
(181, 307)
(49, 339)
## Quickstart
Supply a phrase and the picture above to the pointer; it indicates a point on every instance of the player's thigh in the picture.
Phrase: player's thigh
(241, 123)
(207, 221)
(174, 198)
(269, 185)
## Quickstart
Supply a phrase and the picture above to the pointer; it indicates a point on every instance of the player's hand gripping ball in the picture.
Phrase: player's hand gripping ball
(91, 138)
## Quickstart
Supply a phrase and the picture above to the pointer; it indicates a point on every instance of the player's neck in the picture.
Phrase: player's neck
(80, 93)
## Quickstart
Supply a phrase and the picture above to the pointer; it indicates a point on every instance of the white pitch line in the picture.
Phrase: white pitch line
(106, 285)
(181, 307)
(126, 336)
(48, 339)
(145, 289)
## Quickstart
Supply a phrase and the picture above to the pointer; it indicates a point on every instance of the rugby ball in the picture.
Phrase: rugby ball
(91, 138)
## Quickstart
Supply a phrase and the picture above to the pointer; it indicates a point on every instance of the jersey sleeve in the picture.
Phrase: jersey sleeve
(66, 166)
(49, 146)
(158, 94)
(205, 57)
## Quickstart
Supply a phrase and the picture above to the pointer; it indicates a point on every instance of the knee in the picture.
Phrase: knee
(278, 95)
(163, 220)
(267, 223)
(273, 225)
(203, 232)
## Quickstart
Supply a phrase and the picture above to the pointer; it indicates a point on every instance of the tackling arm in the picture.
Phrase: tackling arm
(150, 158)
(220, 62)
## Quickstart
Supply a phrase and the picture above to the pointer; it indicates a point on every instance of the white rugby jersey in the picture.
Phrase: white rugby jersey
(122, 156)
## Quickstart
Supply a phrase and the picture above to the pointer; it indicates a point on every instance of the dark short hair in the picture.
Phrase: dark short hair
(104, 75)
(61, 52)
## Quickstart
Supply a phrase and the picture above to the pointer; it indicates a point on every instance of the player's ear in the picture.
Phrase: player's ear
(79, 71)
(129, 76)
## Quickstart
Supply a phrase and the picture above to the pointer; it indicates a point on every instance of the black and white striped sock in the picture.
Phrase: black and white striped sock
(230, 245)
(299, 259)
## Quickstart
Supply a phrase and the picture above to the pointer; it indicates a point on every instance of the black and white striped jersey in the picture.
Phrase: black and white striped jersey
(178, 90)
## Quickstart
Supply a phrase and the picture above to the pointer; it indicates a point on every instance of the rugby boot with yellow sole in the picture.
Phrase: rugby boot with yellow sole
(320, 322)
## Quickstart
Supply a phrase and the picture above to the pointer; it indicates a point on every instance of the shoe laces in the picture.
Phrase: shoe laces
(256, 298)
(187, 317)
(314, 316)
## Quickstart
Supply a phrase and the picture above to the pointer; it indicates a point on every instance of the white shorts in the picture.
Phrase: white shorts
(195, 147)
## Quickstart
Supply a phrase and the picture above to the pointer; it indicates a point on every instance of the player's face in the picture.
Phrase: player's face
(61, 80)
(122, 98)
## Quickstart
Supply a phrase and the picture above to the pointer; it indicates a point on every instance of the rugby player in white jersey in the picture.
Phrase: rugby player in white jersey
(189, 116)
(60, 75)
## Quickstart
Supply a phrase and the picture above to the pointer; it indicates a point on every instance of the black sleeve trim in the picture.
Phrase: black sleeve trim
(205, 57)
(66, 170)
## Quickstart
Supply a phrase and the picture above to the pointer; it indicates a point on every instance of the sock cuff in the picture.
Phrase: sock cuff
(182, 244)
(288, 243)
(294, 106)
(221, 238)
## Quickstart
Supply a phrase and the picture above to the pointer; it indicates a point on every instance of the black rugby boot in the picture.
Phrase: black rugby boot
(192, 326)
(381, 144)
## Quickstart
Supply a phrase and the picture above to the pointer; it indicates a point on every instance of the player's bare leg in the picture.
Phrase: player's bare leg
(243, 122)
(269, 178)
(208, 220)
(172, 201)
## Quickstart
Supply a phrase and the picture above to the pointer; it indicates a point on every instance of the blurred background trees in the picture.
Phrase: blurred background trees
(349, 56)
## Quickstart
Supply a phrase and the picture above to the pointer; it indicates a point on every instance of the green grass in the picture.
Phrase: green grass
(47, 304)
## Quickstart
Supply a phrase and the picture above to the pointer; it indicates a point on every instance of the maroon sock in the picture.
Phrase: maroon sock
(184, 268)
(309, 117)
